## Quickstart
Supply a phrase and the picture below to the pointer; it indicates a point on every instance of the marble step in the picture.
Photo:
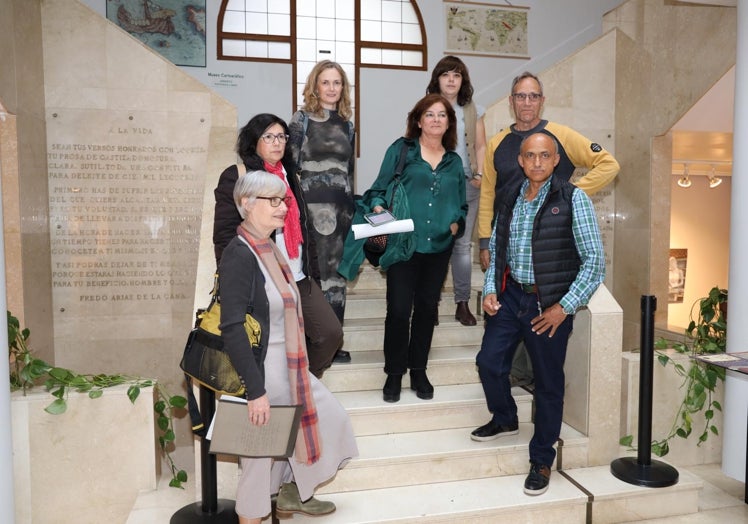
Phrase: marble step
(574, 496)
(373, 278)
(369, 303)
(447, 365)
(367, 334)
(453, 406)
(444, 455)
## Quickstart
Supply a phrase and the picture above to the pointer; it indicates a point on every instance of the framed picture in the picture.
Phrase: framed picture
(173, 28)
(481, 29)
(677, 275)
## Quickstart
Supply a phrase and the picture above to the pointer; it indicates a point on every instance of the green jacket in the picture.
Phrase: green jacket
(435, 199)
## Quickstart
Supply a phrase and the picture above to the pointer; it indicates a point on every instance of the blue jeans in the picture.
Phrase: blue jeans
(413, 289)
(462, 263)
(503, 332)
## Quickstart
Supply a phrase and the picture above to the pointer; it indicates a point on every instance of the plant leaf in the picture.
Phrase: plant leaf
(57, 407)
(133, 392)
(178, 401)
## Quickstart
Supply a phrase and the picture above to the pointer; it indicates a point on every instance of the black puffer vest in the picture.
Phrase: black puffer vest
(555, 259)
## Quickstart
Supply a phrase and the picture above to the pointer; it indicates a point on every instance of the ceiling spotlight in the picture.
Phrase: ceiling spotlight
(684, 181)
(714, 180)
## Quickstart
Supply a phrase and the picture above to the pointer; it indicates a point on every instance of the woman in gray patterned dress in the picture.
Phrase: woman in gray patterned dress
(322, 145)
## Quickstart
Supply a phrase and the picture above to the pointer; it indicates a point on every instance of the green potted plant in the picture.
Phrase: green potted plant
(706, 334)
(26, 371)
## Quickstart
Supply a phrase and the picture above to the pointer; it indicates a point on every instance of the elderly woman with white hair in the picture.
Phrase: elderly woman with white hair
(254, 271)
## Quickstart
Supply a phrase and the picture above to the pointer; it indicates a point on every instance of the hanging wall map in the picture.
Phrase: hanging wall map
(173, 28)
(486, 29)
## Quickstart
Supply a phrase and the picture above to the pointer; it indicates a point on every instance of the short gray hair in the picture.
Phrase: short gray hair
(526, 74)
(254, 184)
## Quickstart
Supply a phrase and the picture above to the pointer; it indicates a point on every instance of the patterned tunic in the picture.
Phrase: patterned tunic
(324, 160)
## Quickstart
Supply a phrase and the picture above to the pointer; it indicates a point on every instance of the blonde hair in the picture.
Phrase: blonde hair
(311, 100)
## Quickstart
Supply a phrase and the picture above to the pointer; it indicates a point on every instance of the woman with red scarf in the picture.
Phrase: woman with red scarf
(262, 147)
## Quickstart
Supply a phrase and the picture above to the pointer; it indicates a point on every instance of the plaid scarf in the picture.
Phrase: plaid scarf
(292, 224)
(308, 447)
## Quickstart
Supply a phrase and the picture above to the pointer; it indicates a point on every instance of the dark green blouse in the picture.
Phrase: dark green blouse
(436, 196)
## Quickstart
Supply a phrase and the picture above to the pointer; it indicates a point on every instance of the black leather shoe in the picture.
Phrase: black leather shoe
(419, 383)
(493, 430)
(538, 479)
(342, 357)
(464, 315)
(391, 389)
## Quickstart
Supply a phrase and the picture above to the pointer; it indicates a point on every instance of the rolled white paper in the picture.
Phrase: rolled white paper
(396, 226)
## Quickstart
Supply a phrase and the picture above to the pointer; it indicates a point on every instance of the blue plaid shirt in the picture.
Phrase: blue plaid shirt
(519, 252)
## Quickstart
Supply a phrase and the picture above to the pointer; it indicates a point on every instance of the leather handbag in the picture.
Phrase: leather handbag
(204, 359)
(374, 247)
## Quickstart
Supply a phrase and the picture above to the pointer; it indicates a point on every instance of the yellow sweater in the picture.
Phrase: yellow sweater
(576, 150)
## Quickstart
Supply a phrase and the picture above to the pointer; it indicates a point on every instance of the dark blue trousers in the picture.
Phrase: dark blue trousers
(503, 332)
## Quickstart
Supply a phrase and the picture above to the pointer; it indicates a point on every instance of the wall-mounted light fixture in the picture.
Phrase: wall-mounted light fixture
(714, 180)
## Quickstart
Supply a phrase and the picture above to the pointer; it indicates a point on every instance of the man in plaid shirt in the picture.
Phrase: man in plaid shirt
(546, 261)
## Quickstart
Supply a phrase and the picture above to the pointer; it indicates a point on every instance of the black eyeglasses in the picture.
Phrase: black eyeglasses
(534, 97)
(269, 138)
(276, 201)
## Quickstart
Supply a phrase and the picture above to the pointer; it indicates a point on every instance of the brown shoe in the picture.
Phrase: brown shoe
(464, 315)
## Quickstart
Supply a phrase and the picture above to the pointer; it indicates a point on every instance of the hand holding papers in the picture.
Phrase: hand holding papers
(396, 226)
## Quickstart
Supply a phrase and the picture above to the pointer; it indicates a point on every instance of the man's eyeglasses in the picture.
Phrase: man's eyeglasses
(276, 201)
(269, 138)
(534, 97)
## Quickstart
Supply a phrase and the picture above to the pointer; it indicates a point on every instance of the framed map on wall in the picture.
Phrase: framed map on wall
(173, 28)
(482, 29)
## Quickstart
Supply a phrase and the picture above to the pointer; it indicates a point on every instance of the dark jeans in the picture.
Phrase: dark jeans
(324, 334)
(503, 332)
(413, 287)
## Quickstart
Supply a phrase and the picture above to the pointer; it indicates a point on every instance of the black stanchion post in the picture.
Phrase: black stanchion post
(210, 510)
(644, 471)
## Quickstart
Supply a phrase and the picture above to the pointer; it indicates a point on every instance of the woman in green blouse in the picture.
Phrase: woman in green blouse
(434, 181)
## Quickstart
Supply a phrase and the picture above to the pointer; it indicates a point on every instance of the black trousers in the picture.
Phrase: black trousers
(413, 289)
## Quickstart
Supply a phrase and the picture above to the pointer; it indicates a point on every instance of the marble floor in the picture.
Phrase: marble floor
(720, 502)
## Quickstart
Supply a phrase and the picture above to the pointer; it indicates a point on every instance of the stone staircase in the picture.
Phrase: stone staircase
(417, 462)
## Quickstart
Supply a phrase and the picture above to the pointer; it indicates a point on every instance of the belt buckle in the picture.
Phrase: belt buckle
(529, 288)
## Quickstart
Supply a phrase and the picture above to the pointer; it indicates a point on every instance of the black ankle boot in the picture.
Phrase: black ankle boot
(419, 383)
(391, 390)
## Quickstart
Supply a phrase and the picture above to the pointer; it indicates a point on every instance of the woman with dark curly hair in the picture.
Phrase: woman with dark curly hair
(262, 146)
